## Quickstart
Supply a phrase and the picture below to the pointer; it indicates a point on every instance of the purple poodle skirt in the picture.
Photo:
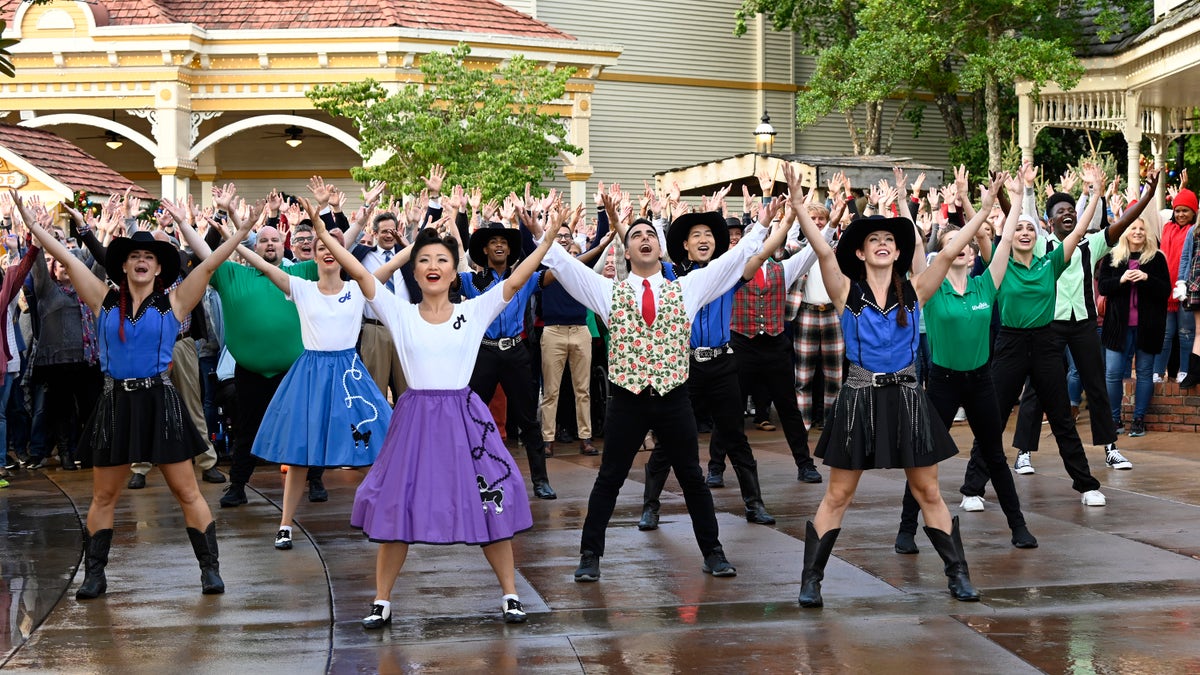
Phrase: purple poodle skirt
(443, 476)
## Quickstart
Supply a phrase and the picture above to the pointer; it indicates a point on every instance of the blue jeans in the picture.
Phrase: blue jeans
(1116, 367)
(1183, 322)
(5, 391)
(1074, 384)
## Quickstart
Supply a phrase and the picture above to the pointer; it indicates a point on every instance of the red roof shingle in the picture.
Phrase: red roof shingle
(470, 16)
(66, 162)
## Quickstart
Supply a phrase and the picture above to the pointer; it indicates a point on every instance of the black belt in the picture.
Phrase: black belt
(823, 307)
(702, 354)
(138, 383)
(888, 379)
(503, 344)
(373, 322)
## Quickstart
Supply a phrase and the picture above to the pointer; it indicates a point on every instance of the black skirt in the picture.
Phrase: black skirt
(888, 427)
(145, 425)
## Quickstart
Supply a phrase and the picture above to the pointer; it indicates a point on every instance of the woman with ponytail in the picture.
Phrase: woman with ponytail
(881, 418)
(139, 417)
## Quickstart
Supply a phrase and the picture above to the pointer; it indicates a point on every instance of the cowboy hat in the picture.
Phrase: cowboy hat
(853, 237)
(480, 238)
(121, 247)
(678, 233)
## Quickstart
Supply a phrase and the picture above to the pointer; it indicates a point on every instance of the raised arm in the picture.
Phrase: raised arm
(772, 242)
(926, 283)
(353, 267)
(522, 272)
(836, 283)
(1114, 231)
(90, 289)
(1094, 175)
(189, 291)
(182, 213)
(999, 262)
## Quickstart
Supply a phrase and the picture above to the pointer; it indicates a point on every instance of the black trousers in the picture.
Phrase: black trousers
(513, 370)
(1034, 353)
(947, 390)
(630, 416)
(714, 381)
(254, 394)
(1088, 353)
(767, 359)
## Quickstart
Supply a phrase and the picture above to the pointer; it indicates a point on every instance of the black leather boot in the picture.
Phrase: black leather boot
(205, 545)
(655, 480)
(950, 548)
(752, 495)
(906, 542)
(95, 558)
(1193, 372)
(816, 555)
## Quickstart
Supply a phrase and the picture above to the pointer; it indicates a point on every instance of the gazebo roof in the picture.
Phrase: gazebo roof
(65, 162)
(815, 170)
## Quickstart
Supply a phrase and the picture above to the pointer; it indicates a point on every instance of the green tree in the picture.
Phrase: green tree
(6, 64)
(945, 47)
(486, 126)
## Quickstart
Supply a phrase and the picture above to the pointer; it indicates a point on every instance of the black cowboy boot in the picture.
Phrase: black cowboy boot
(95, 558)
(950, 548)
(816, 555)
(752, 495)
(1193, 372)
(650, 499)
(205, 545)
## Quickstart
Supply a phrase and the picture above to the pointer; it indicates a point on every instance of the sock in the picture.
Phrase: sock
(514, 596)
(386, 605)
(286, 527)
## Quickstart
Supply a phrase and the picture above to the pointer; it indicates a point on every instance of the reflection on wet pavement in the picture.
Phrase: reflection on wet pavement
(1109, 590)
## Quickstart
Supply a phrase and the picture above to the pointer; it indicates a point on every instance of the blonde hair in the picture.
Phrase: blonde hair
(1120, 252)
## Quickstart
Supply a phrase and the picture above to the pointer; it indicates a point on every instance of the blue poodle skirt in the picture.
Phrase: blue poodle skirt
(443, 476)
(326, 412)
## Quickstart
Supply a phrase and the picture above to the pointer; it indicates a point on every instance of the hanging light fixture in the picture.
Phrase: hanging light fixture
(114, 140)
(295, 136)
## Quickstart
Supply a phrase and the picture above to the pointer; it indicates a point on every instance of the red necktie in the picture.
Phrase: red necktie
(647, 302)
(760, 278)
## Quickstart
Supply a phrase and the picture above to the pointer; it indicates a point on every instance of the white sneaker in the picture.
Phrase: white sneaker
(1093, 498)
(1158, 378)
(1114, 459)
(960, 416)
(1181, 376)
(971, 503)
(1023, 466)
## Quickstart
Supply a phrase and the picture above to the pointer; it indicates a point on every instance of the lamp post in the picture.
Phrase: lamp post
(764, 135)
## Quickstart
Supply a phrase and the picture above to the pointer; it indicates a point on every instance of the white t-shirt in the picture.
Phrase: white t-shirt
(438, 356)
(328, 323)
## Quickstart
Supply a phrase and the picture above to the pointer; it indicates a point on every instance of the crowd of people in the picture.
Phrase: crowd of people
(386, 339)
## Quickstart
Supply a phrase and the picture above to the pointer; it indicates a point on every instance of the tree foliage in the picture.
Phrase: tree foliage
(871, 50)
(485, 125)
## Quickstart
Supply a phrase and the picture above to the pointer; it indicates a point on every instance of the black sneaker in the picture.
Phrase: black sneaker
(137, 481)
(589, 567)
(808, 474)
(715, 479)
(380, 616)
(235, 495)
(1138, 428)
(283, 539)
(514, 611)
(716, 564)
(1120, 424)
(317, 491)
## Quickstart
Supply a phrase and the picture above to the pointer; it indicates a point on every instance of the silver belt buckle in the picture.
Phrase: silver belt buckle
(880, 379)
(130, 385)
(703, 354)
(504, 344)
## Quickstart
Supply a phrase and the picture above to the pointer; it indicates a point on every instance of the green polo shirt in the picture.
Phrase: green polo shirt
(1027, 295)
(262, 328)
(959, 326)
(1071, 304)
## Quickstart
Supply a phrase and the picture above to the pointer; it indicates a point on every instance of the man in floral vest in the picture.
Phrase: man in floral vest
(649, 320)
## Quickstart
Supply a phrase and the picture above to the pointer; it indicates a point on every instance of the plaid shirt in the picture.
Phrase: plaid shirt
(758, 308)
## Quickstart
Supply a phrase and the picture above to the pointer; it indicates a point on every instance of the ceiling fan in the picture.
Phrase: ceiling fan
(111, 138)
(293, 135)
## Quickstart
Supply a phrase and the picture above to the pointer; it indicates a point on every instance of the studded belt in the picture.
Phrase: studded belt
(138, 383)
(858, 377)
(503, 344)
(702, 354)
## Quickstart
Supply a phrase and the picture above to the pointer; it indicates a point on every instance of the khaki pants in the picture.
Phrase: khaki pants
(185, 375)
(562, 345)
(383, 363)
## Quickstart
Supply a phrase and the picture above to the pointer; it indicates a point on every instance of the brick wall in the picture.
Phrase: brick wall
(1171, 408)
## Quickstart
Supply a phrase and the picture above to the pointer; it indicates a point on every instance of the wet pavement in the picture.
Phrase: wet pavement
(1114, 589)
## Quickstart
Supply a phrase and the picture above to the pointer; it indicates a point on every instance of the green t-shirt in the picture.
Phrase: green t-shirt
(262, 328)
(959, 326)
(1028, 294)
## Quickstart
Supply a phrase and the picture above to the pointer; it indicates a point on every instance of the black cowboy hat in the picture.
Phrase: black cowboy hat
(735, 223)
(678, 233)
(480, 238)
(121, 247)
(853, 237)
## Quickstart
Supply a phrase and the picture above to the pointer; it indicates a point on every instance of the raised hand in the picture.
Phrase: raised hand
(916, 186)
(371, 197)
(1067, 181)
(319, 190)
(274, 203)
(766, 183)
(961, 184)
(222, 196)
(901, 180)
(1028, 173)
(433, 182)
(337, 199)
(474, 199)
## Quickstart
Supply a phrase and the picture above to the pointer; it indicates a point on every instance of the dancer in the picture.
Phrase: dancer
(881, 419)
(140, 417)
(649, 320)
(443, 476)
(958, 317)
(328, 411)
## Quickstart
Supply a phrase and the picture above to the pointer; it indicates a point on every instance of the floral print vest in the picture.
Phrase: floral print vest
(641, 356)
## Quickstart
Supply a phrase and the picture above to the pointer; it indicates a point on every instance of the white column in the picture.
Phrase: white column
(1133, 136)
(1026, 134)
(171, 125)
(579, 169)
